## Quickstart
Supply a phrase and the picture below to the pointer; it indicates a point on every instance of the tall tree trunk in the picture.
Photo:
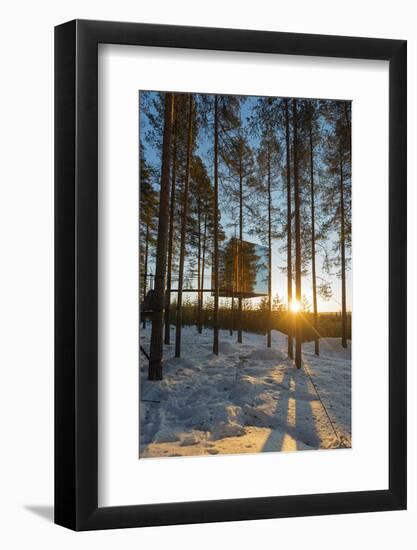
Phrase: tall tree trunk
(170, 241)
(199, 287)
(349, 129)
(234, 282)
(203, 267)
(269, 254)
(313, 237)
(289, 234)
(240, 249)
(216, 230)
(183, 231)
(297, 238)
(342, 250)
(156, 349)
(145, 275)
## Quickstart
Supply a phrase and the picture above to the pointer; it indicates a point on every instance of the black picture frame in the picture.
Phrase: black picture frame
(76, 272)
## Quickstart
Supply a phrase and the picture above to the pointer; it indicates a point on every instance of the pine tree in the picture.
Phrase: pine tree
(311, 116)
(148, 219)
(184, 228)
(203, 197)
(219, 114)
(297, 201)
(268, 162)
(179, 160)
(289, 232)
(156, 348)
(266, 123)
(238, 159)
(199, 227)
(216, 228)
(171, 229)
(337, 195)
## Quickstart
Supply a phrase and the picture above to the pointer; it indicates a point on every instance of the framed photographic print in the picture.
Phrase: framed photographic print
(230, 275)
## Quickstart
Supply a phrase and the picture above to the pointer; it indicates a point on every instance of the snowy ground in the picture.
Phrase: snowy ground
(248, 399)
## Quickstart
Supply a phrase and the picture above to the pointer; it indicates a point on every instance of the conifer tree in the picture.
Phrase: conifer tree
(238, 159)
(311, 123)
(289, 230)
(156, 348)
(148, 220)
(297, 201)
(336, 195)
(184, 227)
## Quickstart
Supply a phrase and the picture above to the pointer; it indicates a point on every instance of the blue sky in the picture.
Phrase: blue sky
(279, 280)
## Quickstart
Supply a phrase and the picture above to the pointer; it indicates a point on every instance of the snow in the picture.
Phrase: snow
(248, 399)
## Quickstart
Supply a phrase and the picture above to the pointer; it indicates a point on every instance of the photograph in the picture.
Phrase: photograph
(245, 274)
(206, 334)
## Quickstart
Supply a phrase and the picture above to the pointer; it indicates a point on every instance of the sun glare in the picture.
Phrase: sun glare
(295, 306)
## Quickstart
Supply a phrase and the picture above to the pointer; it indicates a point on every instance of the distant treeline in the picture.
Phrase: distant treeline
(256, 320)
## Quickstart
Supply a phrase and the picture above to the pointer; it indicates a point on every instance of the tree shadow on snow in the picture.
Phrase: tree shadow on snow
(294, 415)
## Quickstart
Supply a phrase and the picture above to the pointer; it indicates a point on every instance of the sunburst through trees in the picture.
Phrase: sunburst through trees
(245, 222)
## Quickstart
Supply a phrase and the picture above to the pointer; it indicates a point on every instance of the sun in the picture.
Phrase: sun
(295, 306)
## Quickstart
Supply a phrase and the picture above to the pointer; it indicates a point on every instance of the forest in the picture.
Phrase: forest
(244, 221)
